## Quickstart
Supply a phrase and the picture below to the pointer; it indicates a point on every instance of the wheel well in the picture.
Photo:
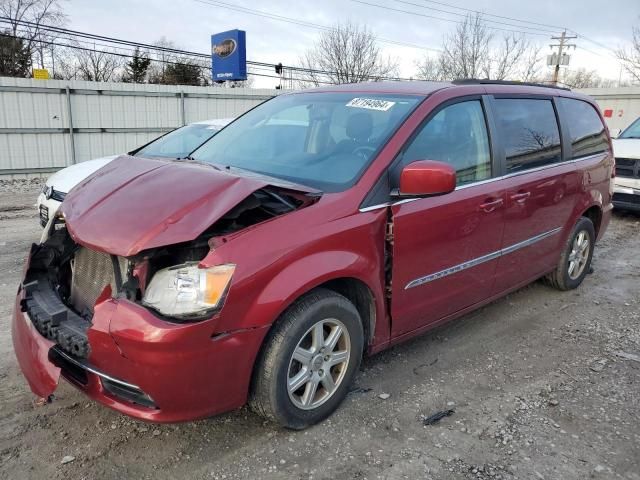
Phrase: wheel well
(358, 293)
(595, 215)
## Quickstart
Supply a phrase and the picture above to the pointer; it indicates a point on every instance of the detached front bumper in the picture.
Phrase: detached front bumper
(142, 366)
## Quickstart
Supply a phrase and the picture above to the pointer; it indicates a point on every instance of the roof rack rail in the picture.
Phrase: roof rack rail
(476, 81)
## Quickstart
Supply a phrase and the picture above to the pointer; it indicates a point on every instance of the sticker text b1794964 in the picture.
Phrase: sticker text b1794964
(371, 104)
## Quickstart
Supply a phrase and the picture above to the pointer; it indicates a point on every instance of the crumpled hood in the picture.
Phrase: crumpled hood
(132, 205)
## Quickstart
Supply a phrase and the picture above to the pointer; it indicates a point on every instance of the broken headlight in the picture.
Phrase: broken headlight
(188, 291)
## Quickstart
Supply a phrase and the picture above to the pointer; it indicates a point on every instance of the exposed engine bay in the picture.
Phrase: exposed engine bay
(65, 280)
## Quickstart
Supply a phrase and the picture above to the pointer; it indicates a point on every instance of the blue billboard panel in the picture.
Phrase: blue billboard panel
(229, 56)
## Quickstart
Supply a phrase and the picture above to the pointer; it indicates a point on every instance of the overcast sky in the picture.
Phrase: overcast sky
(190, 23)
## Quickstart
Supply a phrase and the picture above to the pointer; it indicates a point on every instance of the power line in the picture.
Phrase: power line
(479, 13)
(556, 27)
(399, 10)
(303, 23)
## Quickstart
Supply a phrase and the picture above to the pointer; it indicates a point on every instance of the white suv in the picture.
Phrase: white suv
(178, 143)
(626, 149)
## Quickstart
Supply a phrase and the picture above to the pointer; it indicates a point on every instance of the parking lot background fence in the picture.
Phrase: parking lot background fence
(46, 125)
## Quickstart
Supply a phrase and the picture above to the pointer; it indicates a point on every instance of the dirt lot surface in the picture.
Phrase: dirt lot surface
(544, 385)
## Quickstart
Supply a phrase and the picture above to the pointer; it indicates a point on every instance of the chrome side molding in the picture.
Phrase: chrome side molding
(477, 261)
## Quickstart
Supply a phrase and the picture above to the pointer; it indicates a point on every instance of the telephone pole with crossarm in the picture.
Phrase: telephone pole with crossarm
(560, 58)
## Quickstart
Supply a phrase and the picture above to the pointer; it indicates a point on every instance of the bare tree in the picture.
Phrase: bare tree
(465, 52)
(26, 19)
(472, 51)
(581, 78)
(161, 59)
(347, 53)
(97, 66)
(631, 58)
(429, 69)
(503, 62)
(530, 64)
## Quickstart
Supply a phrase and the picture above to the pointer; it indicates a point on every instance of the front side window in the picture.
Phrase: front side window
(457, 135)
(323, 140)
(587, 131)
(178, 143)
(529, 131)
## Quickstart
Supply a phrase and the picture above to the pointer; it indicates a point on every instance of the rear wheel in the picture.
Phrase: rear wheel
(575, 261)
(309, 360)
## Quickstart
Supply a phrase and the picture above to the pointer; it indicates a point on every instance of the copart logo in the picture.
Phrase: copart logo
(225, 48)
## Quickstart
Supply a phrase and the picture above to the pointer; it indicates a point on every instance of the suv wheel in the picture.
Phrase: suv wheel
(309, 360)
(575, 260)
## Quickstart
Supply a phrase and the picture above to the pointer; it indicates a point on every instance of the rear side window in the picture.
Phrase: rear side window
(457, 135)
(529, 131)
(585, 127)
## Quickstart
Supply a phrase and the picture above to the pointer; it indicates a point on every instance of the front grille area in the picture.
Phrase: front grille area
(627, 167)
(91, 272)
(61, 287)
(626, 200)
(53, 319)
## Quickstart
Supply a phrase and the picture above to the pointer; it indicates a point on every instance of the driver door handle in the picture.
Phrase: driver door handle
(491, 204)
(520, 197)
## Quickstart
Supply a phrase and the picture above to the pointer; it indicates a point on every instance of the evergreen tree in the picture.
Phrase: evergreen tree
(15, 57)
(182, 72)
(136, 68)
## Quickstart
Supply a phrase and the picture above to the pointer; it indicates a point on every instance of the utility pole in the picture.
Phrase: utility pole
(560, 59)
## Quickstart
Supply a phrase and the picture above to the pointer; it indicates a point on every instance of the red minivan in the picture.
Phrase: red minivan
(318, 227)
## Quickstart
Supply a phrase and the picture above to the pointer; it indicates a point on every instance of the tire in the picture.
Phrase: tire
(278, 370)
(564, 277)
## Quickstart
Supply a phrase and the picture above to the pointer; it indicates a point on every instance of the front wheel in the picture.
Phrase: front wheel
(309, 360)
(575, 261)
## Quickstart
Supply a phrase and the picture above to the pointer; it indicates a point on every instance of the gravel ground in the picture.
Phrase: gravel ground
(543, 384)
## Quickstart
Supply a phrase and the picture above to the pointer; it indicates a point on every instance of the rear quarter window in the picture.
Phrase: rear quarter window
(529, 131)
(587, 131)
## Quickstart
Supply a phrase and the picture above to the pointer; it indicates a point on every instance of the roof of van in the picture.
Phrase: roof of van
(419, 87)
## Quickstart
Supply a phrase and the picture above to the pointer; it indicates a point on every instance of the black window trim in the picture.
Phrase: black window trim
(565, 117)
(371, 200)
(563, 132)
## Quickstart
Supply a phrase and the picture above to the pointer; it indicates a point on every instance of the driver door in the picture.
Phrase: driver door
(445, 248)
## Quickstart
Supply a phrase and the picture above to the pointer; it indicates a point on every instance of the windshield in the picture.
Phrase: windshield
(322, 140)
(632, 131)
(178, 143)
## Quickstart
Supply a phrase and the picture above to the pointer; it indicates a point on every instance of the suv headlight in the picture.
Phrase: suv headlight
(188, 291)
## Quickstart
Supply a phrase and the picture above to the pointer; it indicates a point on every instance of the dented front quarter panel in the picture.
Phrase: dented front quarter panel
(275, 267)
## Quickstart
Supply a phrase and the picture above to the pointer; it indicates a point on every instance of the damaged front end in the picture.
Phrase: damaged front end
(73, 294)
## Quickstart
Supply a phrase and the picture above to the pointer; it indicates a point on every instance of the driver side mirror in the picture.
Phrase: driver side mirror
(425, 178)
(614, 132)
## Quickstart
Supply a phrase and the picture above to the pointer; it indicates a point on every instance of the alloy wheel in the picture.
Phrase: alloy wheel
(318, 364)
(579, 255)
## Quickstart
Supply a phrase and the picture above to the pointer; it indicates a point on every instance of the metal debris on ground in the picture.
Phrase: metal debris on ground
(436, 417)
(360, 390)
(627, 356)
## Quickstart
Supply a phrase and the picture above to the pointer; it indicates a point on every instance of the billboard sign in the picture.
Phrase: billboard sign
(229, 56)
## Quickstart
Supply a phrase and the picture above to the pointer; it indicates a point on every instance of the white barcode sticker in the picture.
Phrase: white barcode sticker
(371, 104)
